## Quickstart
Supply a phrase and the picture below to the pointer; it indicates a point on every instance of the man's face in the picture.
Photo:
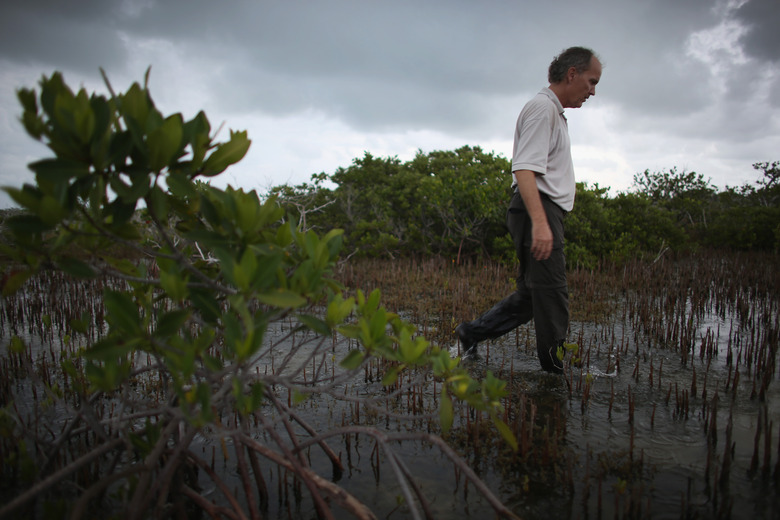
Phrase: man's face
(581, 85)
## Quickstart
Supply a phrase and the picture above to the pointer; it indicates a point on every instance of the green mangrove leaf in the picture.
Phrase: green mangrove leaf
(412, 349)
(196, 132)
(59, 169)
(391, 376)
(212, 363)
(446, 414)
(181, 186)
(315, 324)
(83, 118)
(493, 387)
(165, 142)
(76, 267)
(247, 210)
(170, 322)
(157, 202)
(352, 360)
(51, 211)
(283, 299)
(17, 345)
(298, 397)
(351, 331)
(15, 280)
(28, 99)
(122, 312)
(204, 301)
(284, 233)
(442, 363)
(506, 433)
(334, 241)
(244, 271)
(338, 310)
(257, 395)
(136, 105)
(233, 332)
(110, 349)
(121, 212)
(175, 285)
(378, 326)
(28, 197)
(123, 265)
(80, 325)
(226, 154)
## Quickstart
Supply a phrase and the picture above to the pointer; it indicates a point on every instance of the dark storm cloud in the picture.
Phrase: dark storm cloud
(375, 64)
(79, 35)
(380, 65)
(762, 19)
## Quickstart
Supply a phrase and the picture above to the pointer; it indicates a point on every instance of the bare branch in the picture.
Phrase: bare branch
(56, 477)
(338, 494)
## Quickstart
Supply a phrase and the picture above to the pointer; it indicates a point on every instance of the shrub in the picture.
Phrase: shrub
(201, 286)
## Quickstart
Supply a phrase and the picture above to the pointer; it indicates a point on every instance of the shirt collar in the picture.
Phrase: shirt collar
(550, 94)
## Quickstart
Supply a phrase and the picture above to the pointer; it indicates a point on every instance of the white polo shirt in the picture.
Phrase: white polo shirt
(542, 145)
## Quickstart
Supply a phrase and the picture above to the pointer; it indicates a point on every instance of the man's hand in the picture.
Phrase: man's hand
(542, 240)
(541, 234)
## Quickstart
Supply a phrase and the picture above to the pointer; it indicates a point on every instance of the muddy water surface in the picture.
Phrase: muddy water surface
(670, 409)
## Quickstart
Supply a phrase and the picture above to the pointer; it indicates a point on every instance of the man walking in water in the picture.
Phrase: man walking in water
(544, 192)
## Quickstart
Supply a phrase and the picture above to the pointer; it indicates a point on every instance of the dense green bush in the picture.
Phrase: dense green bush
(748, 217)
(442, 203)
(453, 204)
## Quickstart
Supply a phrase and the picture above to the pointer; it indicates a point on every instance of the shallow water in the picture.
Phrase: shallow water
(649, 457)
(625, 435)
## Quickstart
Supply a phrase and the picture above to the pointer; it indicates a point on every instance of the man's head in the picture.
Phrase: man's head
(573, 76)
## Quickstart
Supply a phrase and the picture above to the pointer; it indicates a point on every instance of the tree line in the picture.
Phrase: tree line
(453, 203)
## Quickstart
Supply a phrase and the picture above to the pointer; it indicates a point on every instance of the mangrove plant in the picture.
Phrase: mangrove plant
(217, 315)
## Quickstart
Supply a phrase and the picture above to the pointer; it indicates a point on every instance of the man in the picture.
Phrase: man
(544, 192)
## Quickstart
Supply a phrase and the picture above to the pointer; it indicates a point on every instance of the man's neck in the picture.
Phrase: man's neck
(558, 90)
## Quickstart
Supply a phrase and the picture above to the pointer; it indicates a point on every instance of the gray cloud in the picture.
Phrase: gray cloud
(457, 69)
(372, 63)
(80, 36)
(761, 17)
(375, 67)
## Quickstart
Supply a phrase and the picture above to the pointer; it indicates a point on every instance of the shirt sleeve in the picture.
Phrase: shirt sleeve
(532, 140)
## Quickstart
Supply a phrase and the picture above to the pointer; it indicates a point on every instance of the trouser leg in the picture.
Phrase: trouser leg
(517, 308)
(549, 308)
(546, 280)
(508, 314)
(551, 323)
(542, 293)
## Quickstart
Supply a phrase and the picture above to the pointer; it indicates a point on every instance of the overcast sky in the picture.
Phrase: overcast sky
(692, 84)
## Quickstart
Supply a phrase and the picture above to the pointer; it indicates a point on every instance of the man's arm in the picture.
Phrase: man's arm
(542, 237)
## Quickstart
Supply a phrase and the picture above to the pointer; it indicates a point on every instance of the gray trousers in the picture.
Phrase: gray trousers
(542, 293)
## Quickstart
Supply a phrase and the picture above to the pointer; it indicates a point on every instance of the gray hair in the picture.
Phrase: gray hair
(577, 57)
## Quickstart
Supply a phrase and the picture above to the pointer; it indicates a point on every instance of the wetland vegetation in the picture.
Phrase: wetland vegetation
(670, 411)
(174, 350)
